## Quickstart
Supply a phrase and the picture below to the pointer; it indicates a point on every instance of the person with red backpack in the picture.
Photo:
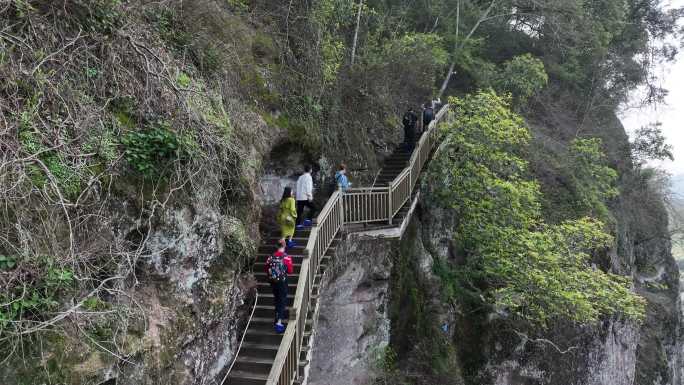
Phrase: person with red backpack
(278, 266)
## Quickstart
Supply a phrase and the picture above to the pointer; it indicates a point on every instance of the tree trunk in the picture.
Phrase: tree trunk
(460, 45)
(356, 32)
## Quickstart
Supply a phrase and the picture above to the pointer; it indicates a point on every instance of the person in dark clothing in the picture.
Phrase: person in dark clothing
(428, 116)
(278, 266)
(409, 121)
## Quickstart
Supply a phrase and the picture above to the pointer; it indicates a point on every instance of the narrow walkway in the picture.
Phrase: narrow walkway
(394, 165)
(261, 343)
(269, 358)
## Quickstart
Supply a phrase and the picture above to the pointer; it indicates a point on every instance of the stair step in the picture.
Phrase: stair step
(263, 336)
(264, 323)
(263, 311)
(237, 377)
(267, 351)
(256, 365)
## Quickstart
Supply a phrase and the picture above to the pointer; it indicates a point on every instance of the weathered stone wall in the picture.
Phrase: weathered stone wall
(353, 326)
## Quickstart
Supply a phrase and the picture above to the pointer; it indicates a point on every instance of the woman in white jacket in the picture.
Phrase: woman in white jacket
(304, 197)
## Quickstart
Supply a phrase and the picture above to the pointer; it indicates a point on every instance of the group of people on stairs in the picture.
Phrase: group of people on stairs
(290, 217)
(410, 121)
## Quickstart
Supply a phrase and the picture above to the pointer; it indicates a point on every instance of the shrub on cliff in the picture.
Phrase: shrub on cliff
(521, 266)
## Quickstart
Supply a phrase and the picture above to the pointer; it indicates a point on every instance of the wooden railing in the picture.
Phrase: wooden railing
(357, 205)
(365, 205)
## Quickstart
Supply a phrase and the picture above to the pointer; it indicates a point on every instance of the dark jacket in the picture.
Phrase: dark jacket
(409, 119)
(428, 116)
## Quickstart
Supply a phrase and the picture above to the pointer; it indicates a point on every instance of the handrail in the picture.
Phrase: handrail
(354, 205)
(249, 321)
(283, 371)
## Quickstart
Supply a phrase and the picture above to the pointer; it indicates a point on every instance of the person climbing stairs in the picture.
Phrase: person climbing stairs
(261, 352)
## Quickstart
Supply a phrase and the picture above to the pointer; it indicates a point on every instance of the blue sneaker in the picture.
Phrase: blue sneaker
(291, 244)
(307, 222)
(299, 227)
(280, 329)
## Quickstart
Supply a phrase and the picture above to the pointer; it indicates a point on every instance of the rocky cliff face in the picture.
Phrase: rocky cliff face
(434, 341)
(354, 325)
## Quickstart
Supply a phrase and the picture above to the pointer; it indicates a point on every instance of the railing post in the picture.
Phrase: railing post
(389, 203)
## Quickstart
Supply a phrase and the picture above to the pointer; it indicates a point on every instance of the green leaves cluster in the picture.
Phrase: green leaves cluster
(31, 299)
(104, 16)
(523, 76)
(153, 150)
(65, 177)
(594, 180)
(520, 265)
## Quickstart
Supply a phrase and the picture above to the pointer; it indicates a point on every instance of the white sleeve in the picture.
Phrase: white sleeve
(309, 187)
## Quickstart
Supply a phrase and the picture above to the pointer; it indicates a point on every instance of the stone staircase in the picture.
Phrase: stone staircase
(266, 357)
(261, 343)
(393, 165)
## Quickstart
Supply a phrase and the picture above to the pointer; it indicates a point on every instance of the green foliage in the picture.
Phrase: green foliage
(7, 263)
(103, 16)
(521, 266)
(184, 80)
(168, 26)
(213, 112)
(650, 144)
(256, 86)
(150, 152)
(33, 298)
(123, 109)
(66, 177)
(594, 180)
(22, 8)
(412, 61)
(333, 54)
(240, 5)
(385, 361)
(263, 47)
(172, 29)
(523, 77)
(299, 131)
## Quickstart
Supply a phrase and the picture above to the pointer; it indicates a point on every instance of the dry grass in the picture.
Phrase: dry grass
(77, 76)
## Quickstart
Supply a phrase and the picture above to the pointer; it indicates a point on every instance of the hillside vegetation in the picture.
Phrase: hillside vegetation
(134, 134)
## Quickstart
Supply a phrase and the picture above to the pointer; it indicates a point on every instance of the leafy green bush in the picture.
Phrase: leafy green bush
(171, 27)
(523, 76)
(594, 180)
(420, 54)
(31, 296)
(523, 267)
(184, 80)
(66, 178)
(104, 16)
(240, 5)
(151, 151)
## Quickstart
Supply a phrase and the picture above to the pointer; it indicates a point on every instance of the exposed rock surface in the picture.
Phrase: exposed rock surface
(436, 342)
(353, 326)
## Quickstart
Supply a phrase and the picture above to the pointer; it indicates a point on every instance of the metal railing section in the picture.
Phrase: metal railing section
(356, 205)
(365, 205)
